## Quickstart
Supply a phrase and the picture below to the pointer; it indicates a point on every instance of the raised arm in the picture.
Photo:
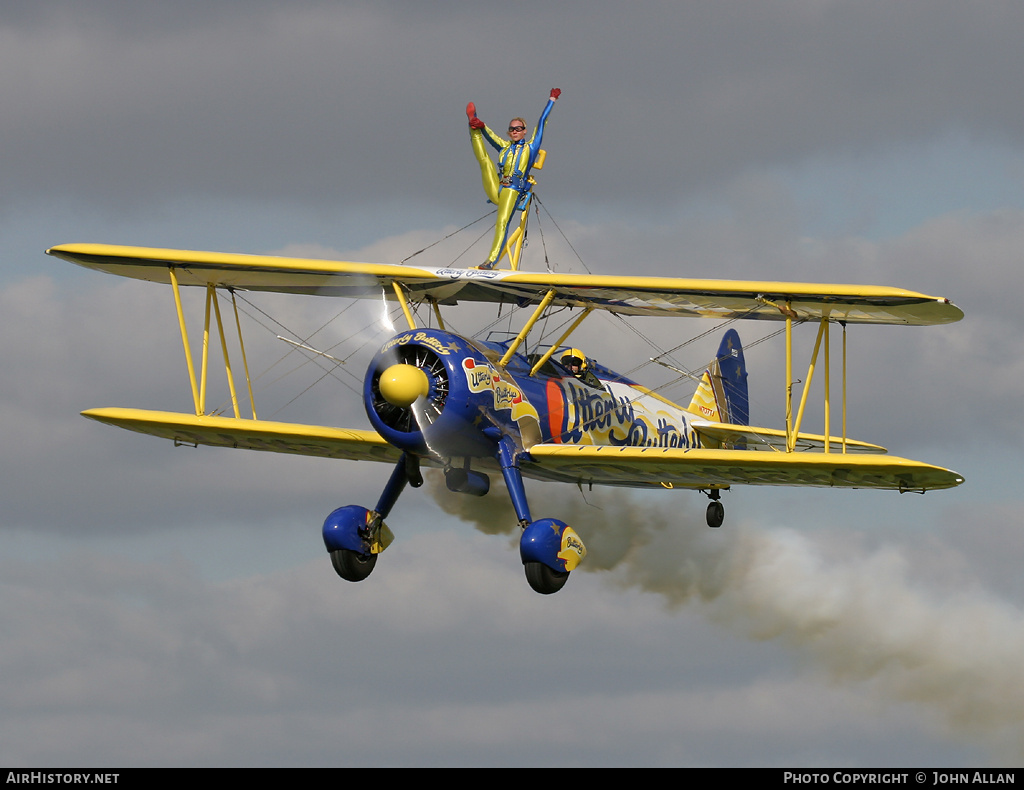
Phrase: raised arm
(538, 135)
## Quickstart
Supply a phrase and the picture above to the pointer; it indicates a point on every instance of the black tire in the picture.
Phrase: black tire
(716, 514)
(543, 579)
(351, 565)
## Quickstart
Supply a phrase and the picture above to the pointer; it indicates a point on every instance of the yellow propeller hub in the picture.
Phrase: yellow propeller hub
(402, 384)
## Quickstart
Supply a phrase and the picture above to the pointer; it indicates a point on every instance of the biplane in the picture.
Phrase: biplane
(480, 409)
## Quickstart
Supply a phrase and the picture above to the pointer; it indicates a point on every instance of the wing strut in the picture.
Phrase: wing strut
(211, 294)
(807, 389)
(199, 390)
(184, 341)
(245, 361)
(437, 313)
(548, 298)
(789, 382)
(828, 387)
(405, 305)
(547, 354)
(793, 428)
(844, 385)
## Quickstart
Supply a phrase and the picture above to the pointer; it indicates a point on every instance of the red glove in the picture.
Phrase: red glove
(555, 93)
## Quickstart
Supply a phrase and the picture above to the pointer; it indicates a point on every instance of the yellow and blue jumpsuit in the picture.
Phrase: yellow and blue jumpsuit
(508, 182)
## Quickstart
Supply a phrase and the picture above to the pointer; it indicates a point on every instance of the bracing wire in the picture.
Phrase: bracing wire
(453, 233)
(566, 238)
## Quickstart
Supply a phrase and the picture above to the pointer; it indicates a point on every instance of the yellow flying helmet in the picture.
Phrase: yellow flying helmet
(574, 357)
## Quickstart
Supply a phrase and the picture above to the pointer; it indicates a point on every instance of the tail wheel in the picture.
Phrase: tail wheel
(351, 565)
(544, 579)
(716, 514)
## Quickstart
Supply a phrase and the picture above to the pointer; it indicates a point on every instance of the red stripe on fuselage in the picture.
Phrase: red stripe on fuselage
(556, 410)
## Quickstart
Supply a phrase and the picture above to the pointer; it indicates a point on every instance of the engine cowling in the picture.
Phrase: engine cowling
(417, 396)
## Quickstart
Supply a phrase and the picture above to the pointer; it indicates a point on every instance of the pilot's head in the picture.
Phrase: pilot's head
(575, 361)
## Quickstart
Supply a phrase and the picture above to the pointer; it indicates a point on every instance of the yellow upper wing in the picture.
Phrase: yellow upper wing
(721, 299)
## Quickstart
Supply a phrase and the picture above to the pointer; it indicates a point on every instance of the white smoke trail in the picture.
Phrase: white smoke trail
(859, 618)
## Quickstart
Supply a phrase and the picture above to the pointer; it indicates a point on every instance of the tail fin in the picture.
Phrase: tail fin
(722, 394)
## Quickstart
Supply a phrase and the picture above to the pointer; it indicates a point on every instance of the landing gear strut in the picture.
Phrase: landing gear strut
(354, 536)
(549, 548)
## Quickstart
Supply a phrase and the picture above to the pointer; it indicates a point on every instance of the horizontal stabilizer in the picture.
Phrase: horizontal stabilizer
(773, 439)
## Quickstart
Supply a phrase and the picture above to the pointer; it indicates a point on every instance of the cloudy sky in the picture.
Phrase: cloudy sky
(175, 606)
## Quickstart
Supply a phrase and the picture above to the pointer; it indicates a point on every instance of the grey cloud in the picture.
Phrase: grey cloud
(138, 663)
(342, 104)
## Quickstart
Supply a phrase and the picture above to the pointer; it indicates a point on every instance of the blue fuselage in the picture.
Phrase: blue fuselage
(472, 402)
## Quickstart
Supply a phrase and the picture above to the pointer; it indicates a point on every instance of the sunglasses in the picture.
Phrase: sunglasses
(517, 129)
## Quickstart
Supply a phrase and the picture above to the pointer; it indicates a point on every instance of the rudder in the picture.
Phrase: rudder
(722, 394)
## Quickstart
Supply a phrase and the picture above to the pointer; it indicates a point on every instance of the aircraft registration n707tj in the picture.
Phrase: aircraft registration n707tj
(478, 408)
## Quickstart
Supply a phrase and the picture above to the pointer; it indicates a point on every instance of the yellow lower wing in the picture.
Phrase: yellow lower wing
(656, 466)
(625, 466)
(275, 437)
